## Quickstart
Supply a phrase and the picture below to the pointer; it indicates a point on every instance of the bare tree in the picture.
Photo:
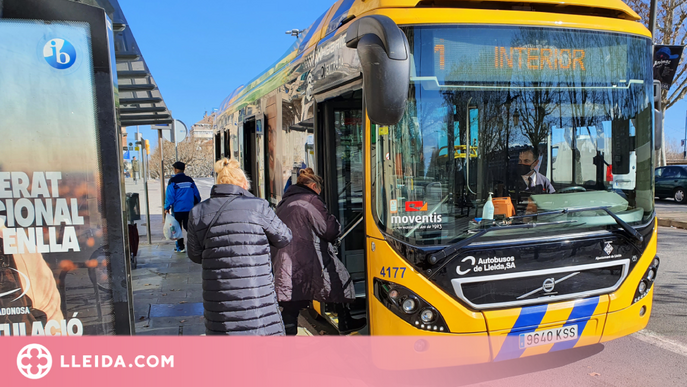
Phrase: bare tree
(195, 153)
(537, 106)
(671, 29)
(674, 149)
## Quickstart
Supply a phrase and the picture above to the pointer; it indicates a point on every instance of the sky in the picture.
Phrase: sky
(200, 51)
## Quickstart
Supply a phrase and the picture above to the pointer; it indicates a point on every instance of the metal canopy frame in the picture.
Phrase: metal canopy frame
(140, 100)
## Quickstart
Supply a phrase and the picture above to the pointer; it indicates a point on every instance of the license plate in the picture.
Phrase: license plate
(548, 336)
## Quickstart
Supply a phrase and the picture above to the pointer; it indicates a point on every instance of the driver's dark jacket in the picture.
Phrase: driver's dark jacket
(542, 185)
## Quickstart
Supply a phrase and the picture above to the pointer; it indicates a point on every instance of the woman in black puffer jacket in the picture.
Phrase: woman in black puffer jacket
(230, 235)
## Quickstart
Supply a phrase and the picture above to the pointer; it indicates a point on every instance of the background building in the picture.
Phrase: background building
(203, 128)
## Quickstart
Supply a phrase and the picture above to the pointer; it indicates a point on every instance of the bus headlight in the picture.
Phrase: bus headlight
(651, 275)
(647, 281)
(410, 307)
(427, 316)
(642, 287)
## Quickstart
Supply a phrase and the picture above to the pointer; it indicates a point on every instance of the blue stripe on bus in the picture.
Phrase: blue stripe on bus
(583, 311)
(528, 321)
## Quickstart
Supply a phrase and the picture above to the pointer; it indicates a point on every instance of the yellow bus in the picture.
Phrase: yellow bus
(555, 101)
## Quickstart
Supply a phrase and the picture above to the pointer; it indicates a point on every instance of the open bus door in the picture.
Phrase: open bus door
(340, 150)
(248, 157)
(253, 158)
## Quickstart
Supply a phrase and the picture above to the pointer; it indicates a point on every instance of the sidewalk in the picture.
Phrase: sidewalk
(167, 286)
(168, 293)
(671, 214)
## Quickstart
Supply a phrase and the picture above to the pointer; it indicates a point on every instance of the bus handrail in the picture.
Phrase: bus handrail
(350, 228)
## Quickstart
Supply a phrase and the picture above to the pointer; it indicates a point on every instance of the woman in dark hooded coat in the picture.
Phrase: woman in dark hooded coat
(230, 234)
(308, 269)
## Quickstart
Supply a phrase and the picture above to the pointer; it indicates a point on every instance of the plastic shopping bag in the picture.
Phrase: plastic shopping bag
(171, 229)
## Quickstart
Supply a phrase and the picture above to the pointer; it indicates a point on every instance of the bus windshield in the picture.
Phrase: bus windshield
(538, 119)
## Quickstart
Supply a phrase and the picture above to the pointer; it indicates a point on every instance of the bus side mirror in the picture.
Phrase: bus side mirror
(658, 116)
(385, 58)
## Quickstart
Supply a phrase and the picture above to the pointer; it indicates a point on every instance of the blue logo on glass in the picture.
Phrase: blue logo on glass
(59, 54)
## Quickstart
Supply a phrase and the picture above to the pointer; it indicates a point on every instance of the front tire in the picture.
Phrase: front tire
(680, 196)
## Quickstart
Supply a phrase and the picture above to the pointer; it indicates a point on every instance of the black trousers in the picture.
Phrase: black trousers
(289, 314)
(182, 218)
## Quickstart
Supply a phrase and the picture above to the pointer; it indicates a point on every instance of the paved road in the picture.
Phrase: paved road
(670, 206)
(669, 316)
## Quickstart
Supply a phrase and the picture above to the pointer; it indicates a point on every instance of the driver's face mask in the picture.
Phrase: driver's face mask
(524, 169)
(525, 162)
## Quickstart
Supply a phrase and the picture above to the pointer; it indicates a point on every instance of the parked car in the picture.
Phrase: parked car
(672, 181)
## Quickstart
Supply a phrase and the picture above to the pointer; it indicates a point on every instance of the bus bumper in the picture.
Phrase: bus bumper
(629, 320)
(593, 325)
(541, 329)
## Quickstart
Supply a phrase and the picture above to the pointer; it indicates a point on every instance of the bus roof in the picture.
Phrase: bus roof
(344, 10)
(624, 11)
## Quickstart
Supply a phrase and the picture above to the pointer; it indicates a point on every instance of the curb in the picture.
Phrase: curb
(672, 223)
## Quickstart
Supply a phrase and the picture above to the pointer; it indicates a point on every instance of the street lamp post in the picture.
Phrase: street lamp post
(176, 143)
(160, 143)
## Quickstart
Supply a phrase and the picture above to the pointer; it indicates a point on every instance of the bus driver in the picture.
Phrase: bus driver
(530, 181)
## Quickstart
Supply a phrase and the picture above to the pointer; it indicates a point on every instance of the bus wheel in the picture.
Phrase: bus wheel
(679, 195)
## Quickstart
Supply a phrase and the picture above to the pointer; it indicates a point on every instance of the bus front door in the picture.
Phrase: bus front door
(341, 166)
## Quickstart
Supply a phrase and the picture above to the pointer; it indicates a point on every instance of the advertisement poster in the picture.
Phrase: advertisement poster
(666, 60)
(54, 273)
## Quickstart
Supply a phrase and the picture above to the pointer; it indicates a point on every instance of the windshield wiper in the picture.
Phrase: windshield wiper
(450, 250)
(630, 230)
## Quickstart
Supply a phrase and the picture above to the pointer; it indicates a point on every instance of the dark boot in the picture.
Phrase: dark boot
(289, 315)
(348, 324)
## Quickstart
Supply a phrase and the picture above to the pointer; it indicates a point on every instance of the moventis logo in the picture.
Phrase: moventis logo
(416, 206)
(34, 361)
